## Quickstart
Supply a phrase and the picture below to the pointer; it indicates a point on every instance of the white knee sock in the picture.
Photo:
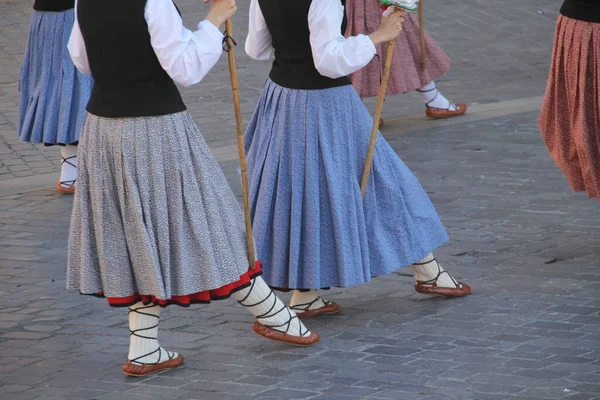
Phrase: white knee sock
(143, 337)
(305, 301)
(428, 269)
(270, 311)
(434, 99)
(68, 165)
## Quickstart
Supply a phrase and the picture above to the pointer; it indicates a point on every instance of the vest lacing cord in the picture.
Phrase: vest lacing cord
(268, 314)
(135, 333)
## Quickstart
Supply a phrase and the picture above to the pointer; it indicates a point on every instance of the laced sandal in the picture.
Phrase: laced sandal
(66, 187)
(430, 286)
(453, 110)
(277, 332)
(136, 368)
(303, 310)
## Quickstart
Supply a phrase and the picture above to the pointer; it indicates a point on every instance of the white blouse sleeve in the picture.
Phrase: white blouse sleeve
(76, 47)
(334, 55)
(186, 56)
(258, 43)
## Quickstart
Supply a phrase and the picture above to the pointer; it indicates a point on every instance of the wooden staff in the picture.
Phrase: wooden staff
(422, 34)
(240, 141)
(382, 90)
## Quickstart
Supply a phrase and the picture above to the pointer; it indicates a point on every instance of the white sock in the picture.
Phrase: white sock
(68, 165)
(434, 99)
(143, 337)
(428, 269)
(269, 310)
(311, 299)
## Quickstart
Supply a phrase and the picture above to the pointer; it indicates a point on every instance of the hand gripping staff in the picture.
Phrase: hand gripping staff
(228, 46)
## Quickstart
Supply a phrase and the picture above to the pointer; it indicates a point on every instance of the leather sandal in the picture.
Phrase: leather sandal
(430, 286)
(280, 336)
(459, 109)
(303, 311)
(133, 368)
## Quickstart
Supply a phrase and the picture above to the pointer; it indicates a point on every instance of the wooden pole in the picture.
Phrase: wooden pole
(422, 34)
(240, 143)
(375, 129)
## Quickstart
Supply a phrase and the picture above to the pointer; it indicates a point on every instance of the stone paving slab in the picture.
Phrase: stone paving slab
(528, 245)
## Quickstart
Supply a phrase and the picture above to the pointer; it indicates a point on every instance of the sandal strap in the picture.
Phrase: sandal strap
(66, 160)
(306, 306)
(433, 281)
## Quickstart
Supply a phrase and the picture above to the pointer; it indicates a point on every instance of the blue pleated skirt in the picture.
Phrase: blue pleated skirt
(306, 153)
(53, 93)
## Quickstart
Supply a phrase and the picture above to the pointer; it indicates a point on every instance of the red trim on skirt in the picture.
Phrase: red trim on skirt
(204, 297)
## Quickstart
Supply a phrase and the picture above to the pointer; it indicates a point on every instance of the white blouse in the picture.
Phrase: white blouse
(334, 55)
(185, 55)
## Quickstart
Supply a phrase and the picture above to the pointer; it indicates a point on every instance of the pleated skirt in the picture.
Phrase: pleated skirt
(306, 153)
(570, 116)
(154, 219)
(53, 93)
(407, 74)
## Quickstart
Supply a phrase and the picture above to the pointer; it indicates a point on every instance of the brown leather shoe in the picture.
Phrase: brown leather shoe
(329, 308)
(272, 334)
(441, 113)
(135, 369)
(461, 289)
(65, 190)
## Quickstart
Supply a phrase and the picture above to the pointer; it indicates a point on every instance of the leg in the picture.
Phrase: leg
(145, 354)
(437, 105)
(68, 169)
(431, 278)
(275, 320)
(309, 304)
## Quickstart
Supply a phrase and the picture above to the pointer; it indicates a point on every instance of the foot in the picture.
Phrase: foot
(432, 279)
(310, 304)
(165, 360)
(272, 333)
(452, 111)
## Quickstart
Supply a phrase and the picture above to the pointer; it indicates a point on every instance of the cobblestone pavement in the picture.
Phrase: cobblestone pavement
(528, 245)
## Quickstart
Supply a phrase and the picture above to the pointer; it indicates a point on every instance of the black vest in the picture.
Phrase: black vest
(294, 67)
(128, 79)
(53, 5)
(582, 10)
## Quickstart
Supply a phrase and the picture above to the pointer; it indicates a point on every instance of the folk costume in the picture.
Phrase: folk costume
(53, 93)
(407, 74)
(570, 117)
(154, 222)
(306, 144)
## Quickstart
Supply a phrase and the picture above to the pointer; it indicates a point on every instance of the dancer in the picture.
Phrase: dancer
(53, 92)
(570, 116)
(154, 222)
(407, 72)
(307, 143)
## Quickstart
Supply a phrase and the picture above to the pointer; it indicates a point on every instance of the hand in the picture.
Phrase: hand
(390, 28)
(220, 11)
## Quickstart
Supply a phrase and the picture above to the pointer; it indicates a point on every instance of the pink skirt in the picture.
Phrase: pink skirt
(364, 16)
(570, 117)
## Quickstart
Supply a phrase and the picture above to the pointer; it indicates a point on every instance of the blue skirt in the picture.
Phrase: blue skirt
(53, 93)
(306, 153)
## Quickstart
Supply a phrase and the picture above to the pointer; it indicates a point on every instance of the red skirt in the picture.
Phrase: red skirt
(407, 74)
(570, 116)
(204, 297)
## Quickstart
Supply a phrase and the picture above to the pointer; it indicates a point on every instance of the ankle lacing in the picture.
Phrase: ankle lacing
(135, 333)
(268, 314)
